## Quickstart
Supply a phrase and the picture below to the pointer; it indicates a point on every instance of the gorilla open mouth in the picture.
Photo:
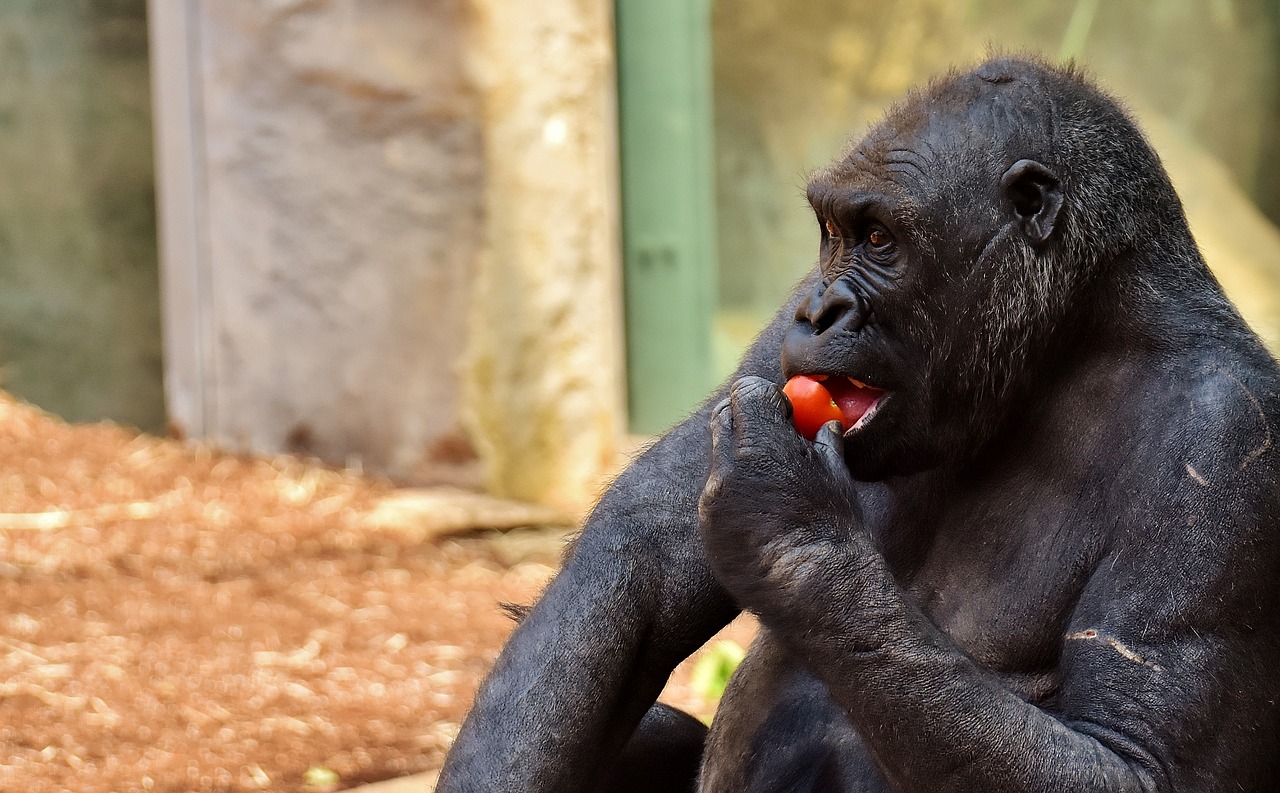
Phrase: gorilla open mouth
(857, 401)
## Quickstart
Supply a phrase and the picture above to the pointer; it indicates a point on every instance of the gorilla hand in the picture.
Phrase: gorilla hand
(777, 512)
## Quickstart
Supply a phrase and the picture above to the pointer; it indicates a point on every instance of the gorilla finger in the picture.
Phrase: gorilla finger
(721, 424)
(829, 444)
(710, 491)
(721, 406)
(759, 400)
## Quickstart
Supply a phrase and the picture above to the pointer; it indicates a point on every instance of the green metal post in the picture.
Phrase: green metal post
(668, 210)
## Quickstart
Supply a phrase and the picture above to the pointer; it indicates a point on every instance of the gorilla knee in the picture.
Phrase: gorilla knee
(663, 755)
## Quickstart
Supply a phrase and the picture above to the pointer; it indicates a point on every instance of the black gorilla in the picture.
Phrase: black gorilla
(1044, 559)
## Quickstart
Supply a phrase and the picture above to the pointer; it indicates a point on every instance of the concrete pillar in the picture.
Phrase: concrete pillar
(321, 189)
(389, 235)
(544, 380)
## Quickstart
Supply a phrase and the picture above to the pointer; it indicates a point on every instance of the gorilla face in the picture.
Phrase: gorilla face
(941, 279)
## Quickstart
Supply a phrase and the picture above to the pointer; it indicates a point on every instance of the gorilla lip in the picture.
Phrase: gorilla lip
(857, 401)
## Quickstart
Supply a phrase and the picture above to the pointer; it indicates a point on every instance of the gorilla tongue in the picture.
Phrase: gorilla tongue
(854, 399)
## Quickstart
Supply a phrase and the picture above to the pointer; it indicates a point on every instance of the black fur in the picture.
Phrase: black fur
(662, 755)
(516, 611)
(1047, 563)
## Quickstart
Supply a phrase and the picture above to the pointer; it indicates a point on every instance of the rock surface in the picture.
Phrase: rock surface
(410, 253)
(344, 162)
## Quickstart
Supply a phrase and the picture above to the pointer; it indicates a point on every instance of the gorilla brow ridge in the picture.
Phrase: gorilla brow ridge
(908, 163)
(824, 192)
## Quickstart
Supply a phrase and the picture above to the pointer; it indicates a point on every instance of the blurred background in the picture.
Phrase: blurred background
(489, 242)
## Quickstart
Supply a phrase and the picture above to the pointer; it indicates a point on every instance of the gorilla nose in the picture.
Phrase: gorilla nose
(838, 307)
(837, 304)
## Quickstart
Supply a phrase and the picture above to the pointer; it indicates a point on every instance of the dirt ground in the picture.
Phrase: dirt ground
(178, 619)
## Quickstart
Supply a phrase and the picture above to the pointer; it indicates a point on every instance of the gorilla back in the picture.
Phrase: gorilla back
(1039, 555)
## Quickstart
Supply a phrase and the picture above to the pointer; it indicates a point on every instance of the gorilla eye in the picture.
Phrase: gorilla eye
(831, 228)
(879, 239)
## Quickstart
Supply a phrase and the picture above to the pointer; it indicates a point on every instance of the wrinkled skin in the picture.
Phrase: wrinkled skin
(1046, 562)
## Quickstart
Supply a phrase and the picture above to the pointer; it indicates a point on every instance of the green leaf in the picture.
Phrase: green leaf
(712, 671)
(317, 777)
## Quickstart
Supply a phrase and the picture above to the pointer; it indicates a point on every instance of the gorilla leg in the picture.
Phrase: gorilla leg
(662, 756)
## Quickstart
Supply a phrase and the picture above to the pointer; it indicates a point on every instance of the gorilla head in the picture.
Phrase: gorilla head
(962, 243)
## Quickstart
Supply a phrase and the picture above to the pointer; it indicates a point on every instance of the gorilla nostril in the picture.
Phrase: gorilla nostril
(831, 305)
(809, 310)
(828, 313)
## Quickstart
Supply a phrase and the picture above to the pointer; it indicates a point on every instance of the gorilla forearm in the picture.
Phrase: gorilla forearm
(923, 707)
(632, 601)
(635, 597)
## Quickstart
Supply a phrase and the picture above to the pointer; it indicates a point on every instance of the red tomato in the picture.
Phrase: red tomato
(811, 404)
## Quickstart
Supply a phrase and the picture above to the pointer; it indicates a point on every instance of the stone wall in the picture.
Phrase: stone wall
(322, 228)
(344, 171)
(402, 242)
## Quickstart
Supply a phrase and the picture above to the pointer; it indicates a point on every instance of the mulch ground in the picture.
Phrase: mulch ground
(179, 619)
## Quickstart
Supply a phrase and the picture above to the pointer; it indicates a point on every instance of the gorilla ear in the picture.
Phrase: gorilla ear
(1036, 196)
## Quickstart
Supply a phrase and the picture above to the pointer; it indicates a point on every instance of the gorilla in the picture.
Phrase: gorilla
(1042, 556)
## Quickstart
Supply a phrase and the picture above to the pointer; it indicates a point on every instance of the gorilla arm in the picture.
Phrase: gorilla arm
(635, 597)
(1155, 691)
